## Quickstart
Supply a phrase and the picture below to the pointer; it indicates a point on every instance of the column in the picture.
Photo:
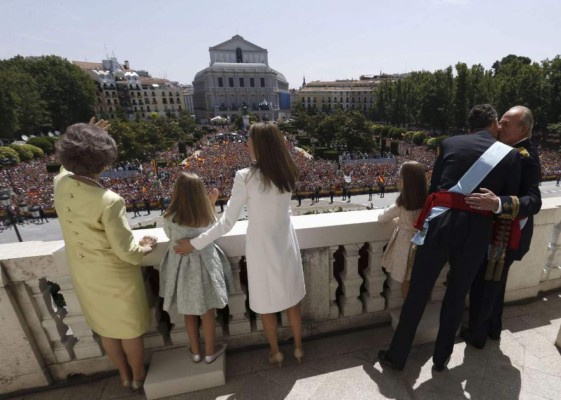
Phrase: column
(374, 278)
(351, 282)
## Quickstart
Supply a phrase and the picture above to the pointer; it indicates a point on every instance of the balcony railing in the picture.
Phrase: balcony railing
(45, 337)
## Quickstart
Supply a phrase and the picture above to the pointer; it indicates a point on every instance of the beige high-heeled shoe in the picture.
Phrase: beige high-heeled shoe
(276, 358)
(298, 354)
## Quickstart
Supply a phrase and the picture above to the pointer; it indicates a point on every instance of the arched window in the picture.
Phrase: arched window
(239, 56)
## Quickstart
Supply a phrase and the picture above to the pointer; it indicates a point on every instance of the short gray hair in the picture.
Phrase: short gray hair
(526, 119)
(86, 149)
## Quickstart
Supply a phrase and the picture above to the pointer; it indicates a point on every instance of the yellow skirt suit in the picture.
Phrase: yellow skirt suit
(103, 258)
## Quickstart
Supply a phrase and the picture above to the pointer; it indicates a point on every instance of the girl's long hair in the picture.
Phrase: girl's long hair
(190, 205)
(414, 188)
(272, 158)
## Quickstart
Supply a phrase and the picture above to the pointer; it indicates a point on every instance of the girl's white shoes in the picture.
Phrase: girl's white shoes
(211, 358)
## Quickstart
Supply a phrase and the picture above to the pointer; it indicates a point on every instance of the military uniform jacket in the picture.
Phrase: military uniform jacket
(529, 201)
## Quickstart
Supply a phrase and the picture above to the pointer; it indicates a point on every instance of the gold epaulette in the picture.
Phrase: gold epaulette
(523, 152)
(511, 208)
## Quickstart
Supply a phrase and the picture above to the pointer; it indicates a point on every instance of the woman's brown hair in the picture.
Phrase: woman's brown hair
(272, 157)
(414, 188)
(190, 205)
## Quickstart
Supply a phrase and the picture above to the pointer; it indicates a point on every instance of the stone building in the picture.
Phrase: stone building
(135, 93)
(349, 94)
(239, 80)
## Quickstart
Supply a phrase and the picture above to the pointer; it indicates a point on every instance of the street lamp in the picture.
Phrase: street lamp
(6, 201)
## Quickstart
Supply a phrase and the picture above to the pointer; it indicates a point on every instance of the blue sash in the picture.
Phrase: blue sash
(468, 182)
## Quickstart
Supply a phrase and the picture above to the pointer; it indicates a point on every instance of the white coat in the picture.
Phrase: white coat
(274, 265)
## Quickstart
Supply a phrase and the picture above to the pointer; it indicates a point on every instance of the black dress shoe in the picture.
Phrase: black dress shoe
(386, 362)
(464, 334)
(440, 367)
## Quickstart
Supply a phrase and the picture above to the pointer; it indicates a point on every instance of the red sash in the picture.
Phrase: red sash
(456, 201)
(445, 199)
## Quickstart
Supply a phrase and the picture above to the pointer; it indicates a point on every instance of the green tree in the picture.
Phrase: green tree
(461, 84)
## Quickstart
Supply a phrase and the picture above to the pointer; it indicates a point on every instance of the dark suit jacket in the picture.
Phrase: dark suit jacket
(458, 153)
(529, 195)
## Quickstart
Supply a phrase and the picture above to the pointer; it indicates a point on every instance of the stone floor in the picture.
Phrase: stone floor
(525, 364)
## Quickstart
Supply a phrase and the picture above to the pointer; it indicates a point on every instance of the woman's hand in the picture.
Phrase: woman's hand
(183, 247)
(148, 241)
(103, 124)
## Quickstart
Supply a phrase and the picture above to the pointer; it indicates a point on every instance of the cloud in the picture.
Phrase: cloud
(38, 38)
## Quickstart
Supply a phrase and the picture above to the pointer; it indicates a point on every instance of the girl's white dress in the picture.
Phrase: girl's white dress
(397, 252)
(198, 281)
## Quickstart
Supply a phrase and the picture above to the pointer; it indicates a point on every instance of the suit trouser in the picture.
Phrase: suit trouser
(461, 239)
(486, 303)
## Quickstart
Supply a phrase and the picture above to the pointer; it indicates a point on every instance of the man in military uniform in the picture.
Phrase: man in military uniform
(452, 232)
(487, 292)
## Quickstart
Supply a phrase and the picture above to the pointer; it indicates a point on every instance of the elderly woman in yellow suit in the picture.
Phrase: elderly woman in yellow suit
(103, 257)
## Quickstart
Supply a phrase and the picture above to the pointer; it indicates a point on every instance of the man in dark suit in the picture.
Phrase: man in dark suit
(487, 291)
(459, 235)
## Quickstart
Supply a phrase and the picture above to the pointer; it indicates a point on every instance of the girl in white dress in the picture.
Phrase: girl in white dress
(198, 283)
(274, 265)
(398, 257)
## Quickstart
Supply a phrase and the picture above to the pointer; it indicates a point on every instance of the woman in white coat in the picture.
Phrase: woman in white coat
(274, 265)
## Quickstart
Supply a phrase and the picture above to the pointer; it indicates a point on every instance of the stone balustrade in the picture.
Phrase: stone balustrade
(45, 338)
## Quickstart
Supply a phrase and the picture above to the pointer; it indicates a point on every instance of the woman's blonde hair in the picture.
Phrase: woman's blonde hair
(272, 158)
(414, 189)
(190, 205)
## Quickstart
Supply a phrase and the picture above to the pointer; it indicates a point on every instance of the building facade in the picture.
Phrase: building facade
(239, 80)
(345, 94)
(134, 93)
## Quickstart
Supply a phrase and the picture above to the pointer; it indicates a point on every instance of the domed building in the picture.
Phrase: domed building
(239, 80)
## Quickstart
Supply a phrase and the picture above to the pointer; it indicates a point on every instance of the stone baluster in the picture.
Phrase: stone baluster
(26, 350)
(239, 323)
(86, 345)
(316, 305)
(333, 285)
(374, 278)
(351, 282)
(154, 336)
(552, 269)
(61, 341)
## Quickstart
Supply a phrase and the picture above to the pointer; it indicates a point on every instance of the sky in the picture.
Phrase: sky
(318, 39)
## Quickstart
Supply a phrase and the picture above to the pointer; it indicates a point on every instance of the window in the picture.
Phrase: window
(239, 56)
(262, 82)
(242, 82)
(252, 82)
(220, 82)
(231, 82)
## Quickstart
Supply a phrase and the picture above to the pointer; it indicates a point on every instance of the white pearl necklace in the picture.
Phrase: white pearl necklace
(90, 180)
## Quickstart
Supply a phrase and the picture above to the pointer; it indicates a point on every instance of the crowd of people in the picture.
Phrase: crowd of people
(216, 162)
